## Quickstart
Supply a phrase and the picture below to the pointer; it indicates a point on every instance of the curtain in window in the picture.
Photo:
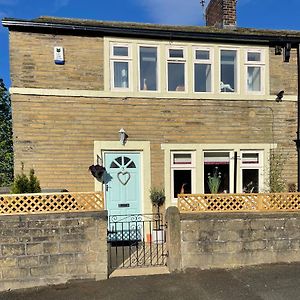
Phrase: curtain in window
(121, 75)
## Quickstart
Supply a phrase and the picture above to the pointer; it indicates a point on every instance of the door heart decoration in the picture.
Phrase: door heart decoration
(123, 177)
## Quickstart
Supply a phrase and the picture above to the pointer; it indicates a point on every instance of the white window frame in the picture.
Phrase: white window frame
(204, 61)
(261, 64)
(238, 71)
(231, 166)
(174, 167)
(116, 58)
(158, 72)
(178, 60)
(248, 166)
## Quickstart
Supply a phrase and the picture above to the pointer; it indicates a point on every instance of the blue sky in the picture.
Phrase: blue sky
(263, 14)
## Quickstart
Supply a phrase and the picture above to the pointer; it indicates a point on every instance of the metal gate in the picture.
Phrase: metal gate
(137, 240)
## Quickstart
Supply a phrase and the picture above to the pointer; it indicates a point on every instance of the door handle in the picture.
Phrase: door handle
(107, 187)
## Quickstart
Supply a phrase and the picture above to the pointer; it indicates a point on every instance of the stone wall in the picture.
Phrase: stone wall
(283, 76)
(42, 249)
(32, 61)
(226, 240)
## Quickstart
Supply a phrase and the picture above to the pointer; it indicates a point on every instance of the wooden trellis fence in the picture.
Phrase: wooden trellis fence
(239, 202)
(50, 202)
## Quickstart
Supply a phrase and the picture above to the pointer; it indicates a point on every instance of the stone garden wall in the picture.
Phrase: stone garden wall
(226, 240)
(53, 248)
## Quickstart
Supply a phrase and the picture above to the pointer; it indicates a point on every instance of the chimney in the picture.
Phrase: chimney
(221, 13)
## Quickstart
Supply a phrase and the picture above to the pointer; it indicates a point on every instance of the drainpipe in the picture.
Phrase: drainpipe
(297, 141)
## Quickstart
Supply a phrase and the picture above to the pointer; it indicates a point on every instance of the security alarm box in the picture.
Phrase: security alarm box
(59, 55)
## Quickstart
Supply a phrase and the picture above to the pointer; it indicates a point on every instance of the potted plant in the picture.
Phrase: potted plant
(214, 181)
(157, 197)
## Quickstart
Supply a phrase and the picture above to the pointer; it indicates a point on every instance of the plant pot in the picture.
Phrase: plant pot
(158, 236)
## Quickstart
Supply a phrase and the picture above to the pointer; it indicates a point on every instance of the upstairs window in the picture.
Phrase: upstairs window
(176, 69)
(120, 66)
(148, 68)
(254, 70)
(228, 83)
(202, 70)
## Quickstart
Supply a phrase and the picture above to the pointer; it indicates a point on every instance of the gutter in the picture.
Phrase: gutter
(224, 37)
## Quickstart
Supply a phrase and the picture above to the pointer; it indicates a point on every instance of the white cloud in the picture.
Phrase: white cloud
(180, 12)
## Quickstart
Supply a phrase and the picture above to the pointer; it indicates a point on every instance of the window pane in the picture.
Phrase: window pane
(254, 79)
(216, 172)
(176, 77)
(202, 78)
(148, 68)
(250, 180)
(182, 182)
(176, 53)
(216, 158)
(228, 71)
(250, 158)
(120, 51)
(121, 75)
(254, 56)
(202, 54)
(182, 158)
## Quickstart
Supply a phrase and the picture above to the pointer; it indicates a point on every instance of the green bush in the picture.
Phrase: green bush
(23, 184)
(277, 182)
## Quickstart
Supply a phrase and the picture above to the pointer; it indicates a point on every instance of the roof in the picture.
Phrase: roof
(94, 27)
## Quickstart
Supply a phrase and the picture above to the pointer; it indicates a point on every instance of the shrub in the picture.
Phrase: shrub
(277, 182)
(22, 184)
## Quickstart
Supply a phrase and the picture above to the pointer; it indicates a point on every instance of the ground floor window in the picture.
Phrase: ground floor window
(182, 173)
(216, 172)
(212, 169)
(251, 171)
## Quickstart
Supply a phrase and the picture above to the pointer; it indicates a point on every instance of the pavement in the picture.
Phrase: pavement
(267, 282)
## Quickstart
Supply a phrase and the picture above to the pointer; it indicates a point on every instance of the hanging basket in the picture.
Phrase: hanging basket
(97, 171)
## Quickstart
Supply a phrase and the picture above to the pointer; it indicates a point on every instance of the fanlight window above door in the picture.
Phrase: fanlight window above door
(122, 162)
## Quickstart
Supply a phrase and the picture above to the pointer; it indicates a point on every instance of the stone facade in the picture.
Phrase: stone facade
(226, 240)
(55, 134)
(59, 135)
(43, 249)
(31, 61)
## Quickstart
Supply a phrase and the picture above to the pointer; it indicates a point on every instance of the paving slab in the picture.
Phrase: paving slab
(267, 282)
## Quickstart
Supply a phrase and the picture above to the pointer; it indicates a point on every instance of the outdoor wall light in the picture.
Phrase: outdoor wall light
(123, 136)
(279, 96)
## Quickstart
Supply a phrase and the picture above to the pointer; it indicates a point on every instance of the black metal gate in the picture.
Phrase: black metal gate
(136, 241)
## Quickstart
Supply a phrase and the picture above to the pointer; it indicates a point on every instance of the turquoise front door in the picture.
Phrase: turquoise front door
(123, 184)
